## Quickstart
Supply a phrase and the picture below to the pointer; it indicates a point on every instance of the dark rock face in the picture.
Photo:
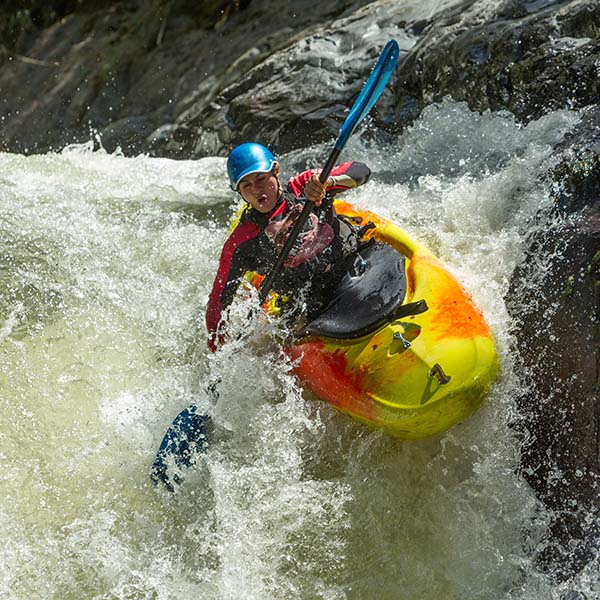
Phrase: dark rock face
(79, 75)
(185, 79)
(529, 58)
(129, 70)
(557, 336)
(298, 96)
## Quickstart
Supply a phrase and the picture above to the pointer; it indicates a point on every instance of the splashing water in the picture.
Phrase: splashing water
(106, 266)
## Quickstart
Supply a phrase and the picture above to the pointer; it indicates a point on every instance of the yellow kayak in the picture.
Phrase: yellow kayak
(424, 365)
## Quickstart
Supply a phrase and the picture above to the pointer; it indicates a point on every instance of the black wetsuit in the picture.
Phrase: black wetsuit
(251, 247)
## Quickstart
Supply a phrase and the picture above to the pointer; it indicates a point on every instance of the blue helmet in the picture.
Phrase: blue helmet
(249, 158)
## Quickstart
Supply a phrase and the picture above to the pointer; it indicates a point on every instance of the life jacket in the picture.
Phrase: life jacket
(317, 261)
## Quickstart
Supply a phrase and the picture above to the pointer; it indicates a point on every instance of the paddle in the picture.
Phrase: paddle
(187, 433)
(380, 75)
(185, 437)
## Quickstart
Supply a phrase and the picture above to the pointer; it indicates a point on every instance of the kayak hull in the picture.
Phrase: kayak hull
(415, 376)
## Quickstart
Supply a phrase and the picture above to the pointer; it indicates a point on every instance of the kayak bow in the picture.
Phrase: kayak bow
(418, 373)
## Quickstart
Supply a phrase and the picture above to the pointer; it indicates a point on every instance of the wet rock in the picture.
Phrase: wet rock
(130, 133)
(555, 303)
(574, 596)
(209, 75)
(527, 57)
(131, 62)
(76, 77)
(294, 99)
(299, 93)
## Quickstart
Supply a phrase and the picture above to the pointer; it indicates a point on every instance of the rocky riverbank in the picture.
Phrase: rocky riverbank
(171, 79)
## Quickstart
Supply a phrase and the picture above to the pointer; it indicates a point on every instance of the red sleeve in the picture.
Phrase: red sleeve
(349, 174)
(297, 182)
(229, 271)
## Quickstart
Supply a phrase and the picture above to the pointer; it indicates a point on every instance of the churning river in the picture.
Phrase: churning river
(105, 267)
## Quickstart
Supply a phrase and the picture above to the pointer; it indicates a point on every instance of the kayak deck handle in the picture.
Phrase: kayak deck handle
(401, 338)
(438, 373)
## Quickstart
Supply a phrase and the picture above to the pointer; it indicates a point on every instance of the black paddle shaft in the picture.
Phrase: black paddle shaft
(267, 284)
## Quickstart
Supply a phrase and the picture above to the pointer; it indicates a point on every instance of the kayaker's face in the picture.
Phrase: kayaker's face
(261, 190)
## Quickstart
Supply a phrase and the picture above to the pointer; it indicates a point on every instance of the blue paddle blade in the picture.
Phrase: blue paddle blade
(380, 75)
(185, 438)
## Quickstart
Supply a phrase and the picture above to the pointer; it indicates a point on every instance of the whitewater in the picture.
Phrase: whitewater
(106, 263)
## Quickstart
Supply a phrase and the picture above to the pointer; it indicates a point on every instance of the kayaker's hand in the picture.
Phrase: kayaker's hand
(314, 190)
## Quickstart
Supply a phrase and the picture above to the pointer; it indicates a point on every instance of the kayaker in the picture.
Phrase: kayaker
(315, 264)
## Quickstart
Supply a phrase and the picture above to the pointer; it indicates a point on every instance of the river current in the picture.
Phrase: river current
(105, 267)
